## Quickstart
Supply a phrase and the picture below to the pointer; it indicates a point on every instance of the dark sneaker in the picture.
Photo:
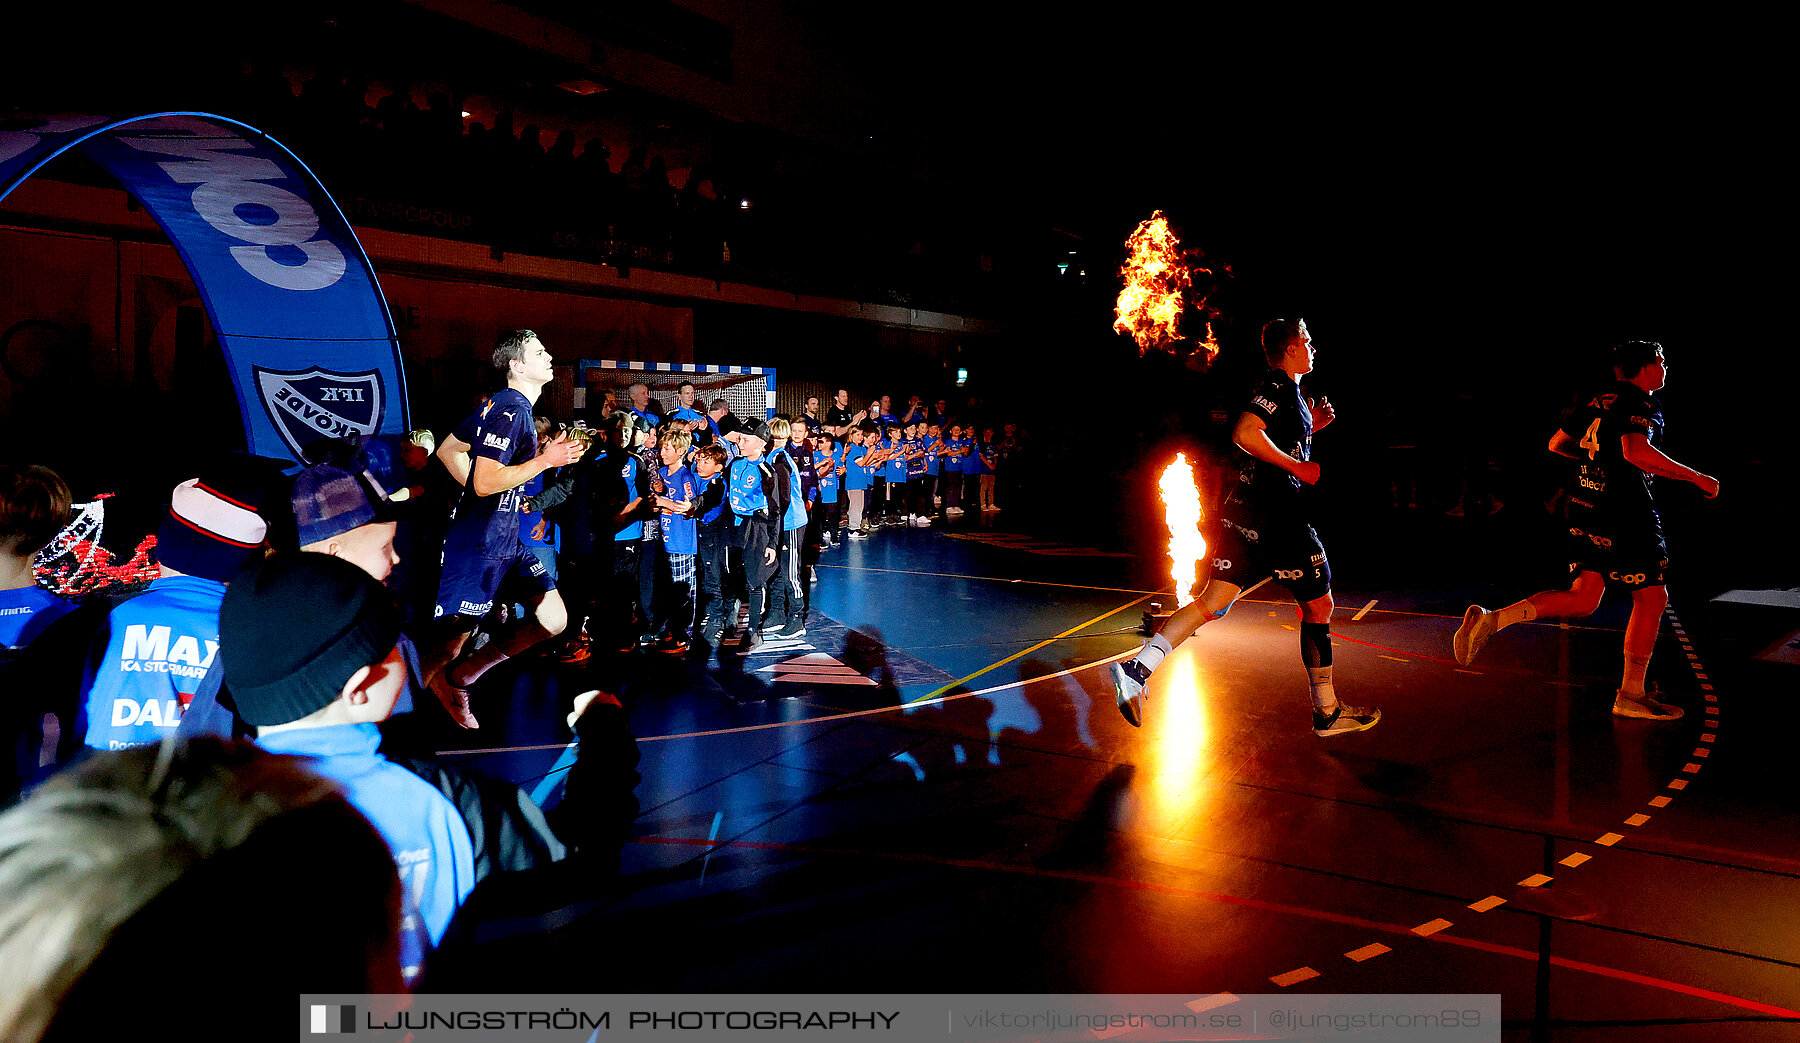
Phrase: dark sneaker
(1343, 720)
(1644, 706)
(672, 645)
(1477, 626)
(751, 642)
(796, 627)
(1129, 678)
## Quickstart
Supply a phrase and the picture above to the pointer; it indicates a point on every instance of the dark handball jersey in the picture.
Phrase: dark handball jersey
(1607, 487)
(1263, 488)
(488, 526)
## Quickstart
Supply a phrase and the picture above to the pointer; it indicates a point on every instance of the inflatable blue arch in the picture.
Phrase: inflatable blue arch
(302, 322)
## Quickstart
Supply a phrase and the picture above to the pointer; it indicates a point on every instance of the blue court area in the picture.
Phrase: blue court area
(933, 791)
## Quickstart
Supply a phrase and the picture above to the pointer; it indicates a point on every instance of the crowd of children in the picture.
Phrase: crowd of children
(713, 517)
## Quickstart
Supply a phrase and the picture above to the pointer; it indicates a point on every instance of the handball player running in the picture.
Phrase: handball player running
(482, 549)
(1266, 535)
(1615, 535)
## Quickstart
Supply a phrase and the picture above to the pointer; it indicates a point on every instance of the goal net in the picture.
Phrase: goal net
(750, 390)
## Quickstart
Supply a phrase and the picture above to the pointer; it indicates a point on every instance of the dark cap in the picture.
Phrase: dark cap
(330, 501)
(292, 630)
(760, 429)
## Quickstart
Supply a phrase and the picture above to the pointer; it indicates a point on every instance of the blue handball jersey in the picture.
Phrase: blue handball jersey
(24, 613)
(856, 476)
(488, 526)
(680, 532)
(1288, 421)
(1607, 483)
(828, 482)
(159, 646)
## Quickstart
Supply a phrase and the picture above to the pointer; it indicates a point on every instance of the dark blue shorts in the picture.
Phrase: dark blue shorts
(1632, 557)
(469, 585)
(1288, 552)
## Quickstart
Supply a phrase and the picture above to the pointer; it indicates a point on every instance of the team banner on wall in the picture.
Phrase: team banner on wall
(300, 318)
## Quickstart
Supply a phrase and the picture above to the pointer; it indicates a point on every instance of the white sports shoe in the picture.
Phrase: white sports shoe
(1477, 626)
(1129, 679)
(1644, 706)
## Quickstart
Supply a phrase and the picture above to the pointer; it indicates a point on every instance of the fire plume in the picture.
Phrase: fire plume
(1156, 277)
(1210, 344)
(1181, 510)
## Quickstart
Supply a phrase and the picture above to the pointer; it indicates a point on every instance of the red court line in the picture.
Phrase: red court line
(1440, 937)
(1336, 636)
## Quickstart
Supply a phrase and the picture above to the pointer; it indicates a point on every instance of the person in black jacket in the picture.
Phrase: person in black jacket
(601, 502)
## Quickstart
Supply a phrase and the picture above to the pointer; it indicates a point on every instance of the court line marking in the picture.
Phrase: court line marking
(827, 719)
(1134, 590)
(1435, 935)
(1022, 654)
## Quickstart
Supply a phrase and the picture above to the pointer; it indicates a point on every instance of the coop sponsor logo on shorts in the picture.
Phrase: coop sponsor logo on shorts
(1289, 573)
(1222, 564)
(1598, 541)
(1633, 578)
(1248, 534)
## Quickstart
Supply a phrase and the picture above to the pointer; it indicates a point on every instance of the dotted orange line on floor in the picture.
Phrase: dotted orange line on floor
(1576, 859)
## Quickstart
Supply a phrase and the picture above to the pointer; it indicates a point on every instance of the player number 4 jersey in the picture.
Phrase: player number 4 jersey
(1599, 424)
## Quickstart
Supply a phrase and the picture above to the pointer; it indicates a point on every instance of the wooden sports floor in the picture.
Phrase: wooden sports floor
(933, 792)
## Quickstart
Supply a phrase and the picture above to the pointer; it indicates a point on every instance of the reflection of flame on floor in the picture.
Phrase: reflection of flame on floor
(1172, 798)
(1181, 509)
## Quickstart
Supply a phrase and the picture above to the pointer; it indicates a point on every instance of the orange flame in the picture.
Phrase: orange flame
(1181, 509)
(1210, 344)
(1149, 305)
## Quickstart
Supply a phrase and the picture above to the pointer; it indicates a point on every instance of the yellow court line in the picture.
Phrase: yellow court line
(1026, 652)
(1133, 590)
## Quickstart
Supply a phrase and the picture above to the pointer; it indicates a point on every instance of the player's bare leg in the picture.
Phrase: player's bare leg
(1633, 699)
(546, 618)
(1330, 717)
(1580, 600)
(1130, 677)
(434, 663)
